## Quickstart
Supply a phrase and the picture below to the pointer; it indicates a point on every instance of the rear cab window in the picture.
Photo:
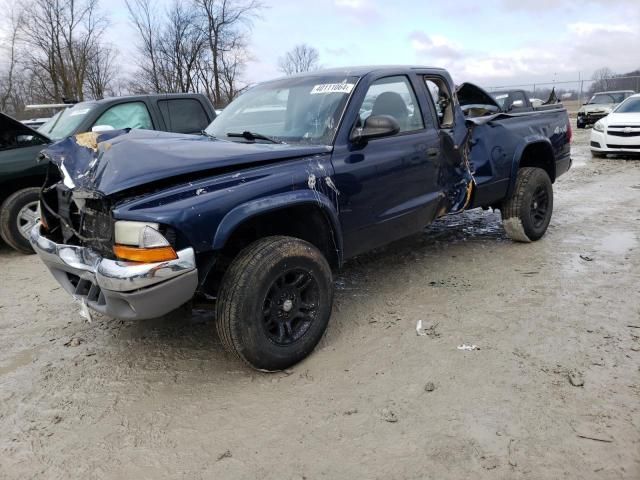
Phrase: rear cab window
(517, 100)
(183, 115)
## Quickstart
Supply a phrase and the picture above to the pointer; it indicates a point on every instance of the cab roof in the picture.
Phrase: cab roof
(361, 71)
(615, 91)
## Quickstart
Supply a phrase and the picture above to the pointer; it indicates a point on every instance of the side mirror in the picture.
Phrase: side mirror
(101, 128)
(377, 126)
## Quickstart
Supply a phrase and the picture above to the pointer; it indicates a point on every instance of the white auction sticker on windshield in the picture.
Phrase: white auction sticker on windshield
(332, 88)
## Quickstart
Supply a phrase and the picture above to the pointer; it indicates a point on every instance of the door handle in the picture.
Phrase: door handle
(433, 152)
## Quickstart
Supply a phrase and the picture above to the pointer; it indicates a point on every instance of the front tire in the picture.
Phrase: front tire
(526, 215)
(18, 215)
(598, 154)
(274, 302)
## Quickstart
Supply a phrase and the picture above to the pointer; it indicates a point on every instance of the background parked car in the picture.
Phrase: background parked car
(21, 176)
(600, 105)
(516, 101)
(618, 132)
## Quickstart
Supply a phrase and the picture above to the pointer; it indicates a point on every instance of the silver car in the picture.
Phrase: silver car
(601, 105)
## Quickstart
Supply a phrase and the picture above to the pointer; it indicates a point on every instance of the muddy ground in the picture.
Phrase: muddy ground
(160, 399)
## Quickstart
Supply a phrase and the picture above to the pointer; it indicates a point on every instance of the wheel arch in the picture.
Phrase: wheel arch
(535, 152)
(306, 214)
(10, 187)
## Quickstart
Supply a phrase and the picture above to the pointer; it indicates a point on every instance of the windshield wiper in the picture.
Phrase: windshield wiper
(252, 136)
(207, 134)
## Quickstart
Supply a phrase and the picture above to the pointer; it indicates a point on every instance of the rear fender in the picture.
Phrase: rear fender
(519, 152)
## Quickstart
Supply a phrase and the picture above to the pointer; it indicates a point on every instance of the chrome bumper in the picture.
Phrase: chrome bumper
(119, 289)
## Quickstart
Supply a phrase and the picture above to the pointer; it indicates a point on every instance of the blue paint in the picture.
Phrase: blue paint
(376, 192)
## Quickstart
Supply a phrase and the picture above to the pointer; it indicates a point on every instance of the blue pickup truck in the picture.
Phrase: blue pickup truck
(294, 177)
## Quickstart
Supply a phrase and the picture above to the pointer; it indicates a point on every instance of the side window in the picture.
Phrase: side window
(10, 139)
(184, 115)
(518, 100)
(126, 115)
(441, 97)
(393, 96)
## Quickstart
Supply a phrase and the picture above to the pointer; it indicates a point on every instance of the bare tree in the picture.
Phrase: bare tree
(302, 58)
(182, 46)
(233, 63)
(8, 79)
(172, 47)
(61, 37)
(602, 79)
(226, 24)
(143, 17)
(100, 73)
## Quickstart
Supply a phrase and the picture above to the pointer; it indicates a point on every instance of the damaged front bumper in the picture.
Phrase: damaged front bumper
(122, 290)
(590, 118)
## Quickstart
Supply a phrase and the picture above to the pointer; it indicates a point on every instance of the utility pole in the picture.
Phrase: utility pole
(581, 86)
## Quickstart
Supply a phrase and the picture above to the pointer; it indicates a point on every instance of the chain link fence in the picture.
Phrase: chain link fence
(577, 90)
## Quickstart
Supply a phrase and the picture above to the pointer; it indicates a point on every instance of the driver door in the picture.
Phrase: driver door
(388, 186)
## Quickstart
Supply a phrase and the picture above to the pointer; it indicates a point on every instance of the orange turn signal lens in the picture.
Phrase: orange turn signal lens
(144, 255)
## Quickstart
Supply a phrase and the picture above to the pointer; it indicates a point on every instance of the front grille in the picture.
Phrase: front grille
(68, 210)
(617, 133)
(76, 221)
(628, 147)
(96, 229)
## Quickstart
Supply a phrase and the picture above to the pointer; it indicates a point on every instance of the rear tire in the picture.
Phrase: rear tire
(526, 215)
(18, 215)
(274, 302)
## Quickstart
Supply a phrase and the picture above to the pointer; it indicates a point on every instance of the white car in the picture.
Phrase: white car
(618, 132)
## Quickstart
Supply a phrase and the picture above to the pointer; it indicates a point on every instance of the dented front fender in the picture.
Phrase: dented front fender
(246, 211)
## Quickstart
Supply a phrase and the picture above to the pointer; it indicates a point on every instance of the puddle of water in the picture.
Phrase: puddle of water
(618, 242)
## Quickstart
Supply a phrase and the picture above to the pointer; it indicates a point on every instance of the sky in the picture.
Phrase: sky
(490, 42)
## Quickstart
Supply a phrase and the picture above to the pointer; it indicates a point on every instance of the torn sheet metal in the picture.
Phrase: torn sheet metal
(102, 162)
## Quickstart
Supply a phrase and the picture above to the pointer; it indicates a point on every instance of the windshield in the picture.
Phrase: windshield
(630, 105)
(65, 122)
(606, 98)
(48, 124)
(500, 98)
(293, 110)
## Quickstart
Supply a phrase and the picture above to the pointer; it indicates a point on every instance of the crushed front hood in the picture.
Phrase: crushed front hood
(111, 162)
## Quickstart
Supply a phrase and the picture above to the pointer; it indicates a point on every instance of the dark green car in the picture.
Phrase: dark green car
(21, 176)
